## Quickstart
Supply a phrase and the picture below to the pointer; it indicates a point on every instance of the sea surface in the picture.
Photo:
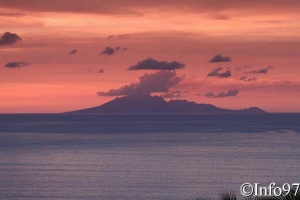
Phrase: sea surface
(151, 156)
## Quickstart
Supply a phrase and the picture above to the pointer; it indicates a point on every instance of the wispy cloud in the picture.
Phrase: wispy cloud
(73, 51)
(12, 14)
(173, 95)
(17, 64)
(111, 36)
(245, 78)
(218, 16)
(261, 71)
(229, 93)
(217, 72)
(242, 68)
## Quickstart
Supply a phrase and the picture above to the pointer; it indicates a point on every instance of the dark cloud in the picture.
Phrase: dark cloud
(242, 67)
(220, 58)
(73, 51)
(101, 71)
(245, 78)
(17, 64)
(160, 81)
(229, 93)
(9, 38)
(261, 71)
(108, 51)
(151, 64)
(217, 72)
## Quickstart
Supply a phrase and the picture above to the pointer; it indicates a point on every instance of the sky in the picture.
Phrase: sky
(63, 55)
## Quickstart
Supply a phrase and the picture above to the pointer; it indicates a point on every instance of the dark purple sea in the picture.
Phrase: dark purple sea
(153, 156)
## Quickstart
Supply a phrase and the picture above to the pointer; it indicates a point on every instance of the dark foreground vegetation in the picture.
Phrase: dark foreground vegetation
(232, 196)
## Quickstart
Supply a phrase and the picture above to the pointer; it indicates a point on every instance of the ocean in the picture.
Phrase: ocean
(151, 156)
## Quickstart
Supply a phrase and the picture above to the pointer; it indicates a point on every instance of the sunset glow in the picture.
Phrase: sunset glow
(39, 74)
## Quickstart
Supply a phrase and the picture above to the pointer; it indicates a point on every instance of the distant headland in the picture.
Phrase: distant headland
(155, 104)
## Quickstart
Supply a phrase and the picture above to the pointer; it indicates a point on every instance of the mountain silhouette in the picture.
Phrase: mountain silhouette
(155, 104)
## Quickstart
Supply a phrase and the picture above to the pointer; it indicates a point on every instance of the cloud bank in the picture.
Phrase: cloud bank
(160, 81)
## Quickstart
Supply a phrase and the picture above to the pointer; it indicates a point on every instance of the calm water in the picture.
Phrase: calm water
(132, 157)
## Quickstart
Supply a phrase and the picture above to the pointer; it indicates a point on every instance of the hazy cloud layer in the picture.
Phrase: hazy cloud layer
(9, 38)
(160, 81)
(220, 58)
(229, 93)
(17, 64)
(73, 51)
(218, 16)
(261, 71)
(126, 6)
(218, 73)
(151, 64)
(12, 14)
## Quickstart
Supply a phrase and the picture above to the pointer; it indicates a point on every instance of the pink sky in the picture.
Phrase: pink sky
(253, 33)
